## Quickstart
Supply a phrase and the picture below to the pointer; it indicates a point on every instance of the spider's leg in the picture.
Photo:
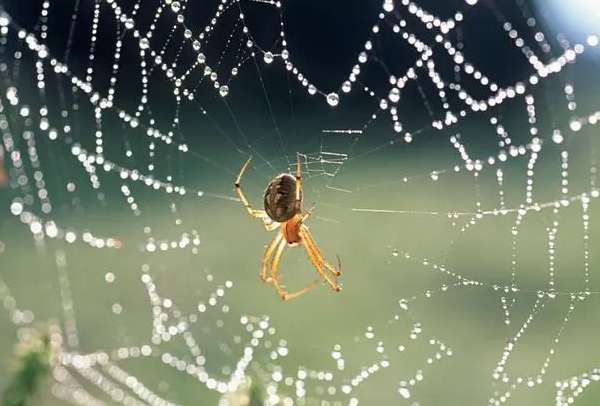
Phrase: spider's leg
(293, 295)
(274, 264)
(298, 180)
(317, 263)
(261, 214)
(267, 256)
(283, 293)
(269, 224)
(241, 173)
(310, 241)
(238, 189)
(307, 213)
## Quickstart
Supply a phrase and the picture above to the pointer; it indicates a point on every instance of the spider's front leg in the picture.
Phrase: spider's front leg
(261, 214)
(298, 180)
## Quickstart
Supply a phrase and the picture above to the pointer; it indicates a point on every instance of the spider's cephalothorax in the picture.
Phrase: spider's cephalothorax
(282, 201)
(280, 198)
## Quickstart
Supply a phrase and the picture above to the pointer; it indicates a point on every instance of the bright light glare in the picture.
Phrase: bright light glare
(578, 19)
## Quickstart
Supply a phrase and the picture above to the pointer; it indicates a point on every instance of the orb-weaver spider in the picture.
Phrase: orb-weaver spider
(282, 208)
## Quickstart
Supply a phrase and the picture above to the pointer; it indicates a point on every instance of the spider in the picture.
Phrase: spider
(282, 203)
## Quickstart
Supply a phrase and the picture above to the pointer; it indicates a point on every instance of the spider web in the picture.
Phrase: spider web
(452, 158)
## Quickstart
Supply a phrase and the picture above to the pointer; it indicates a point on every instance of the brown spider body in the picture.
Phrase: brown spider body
(280, 198)
(283, 208)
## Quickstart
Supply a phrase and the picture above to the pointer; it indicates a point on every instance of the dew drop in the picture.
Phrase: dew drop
(388, 6)
(268, 57)
(333, 99)
(224, 91)
(176, 6)
(144, 43)
(116, 308)
(394, 95)
(405, 393)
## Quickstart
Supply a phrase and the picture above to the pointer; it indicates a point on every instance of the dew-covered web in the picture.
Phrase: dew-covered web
(453, 164)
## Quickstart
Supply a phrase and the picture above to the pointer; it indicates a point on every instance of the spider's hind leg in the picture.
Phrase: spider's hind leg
(267, 255)
(311, 245)
(316, 258)
(283, 293)
(293, 295)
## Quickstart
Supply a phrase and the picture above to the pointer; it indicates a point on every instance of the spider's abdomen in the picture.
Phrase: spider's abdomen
(280, 198)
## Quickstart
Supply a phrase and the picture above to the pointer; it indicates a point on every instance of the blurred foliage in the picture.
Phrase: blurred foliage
(35, 353)
(252, 392)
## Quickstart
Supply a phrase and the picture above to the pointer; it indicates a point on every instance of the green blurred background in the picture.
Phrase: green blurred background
(427, 265)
